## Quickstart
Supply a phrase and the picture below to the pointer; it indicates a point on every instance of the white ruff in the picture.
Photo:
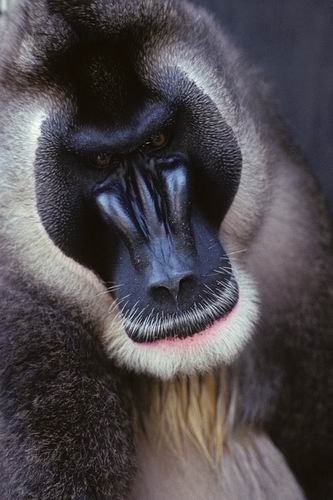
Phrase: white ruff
(196, 354)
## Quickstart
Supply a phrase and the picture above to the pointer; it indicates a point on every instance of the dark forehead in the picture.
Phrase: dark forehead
(102, 47)
(99, 48)
(62, 25)
(105, 76)
(109, 84)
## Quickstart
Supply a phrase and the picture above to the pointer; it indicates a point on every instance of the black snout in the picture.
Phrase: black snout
(150, 211)
(162, 266)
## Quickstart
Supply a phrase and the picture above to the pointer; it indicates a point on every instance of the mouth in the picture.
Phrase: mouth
(184, 325)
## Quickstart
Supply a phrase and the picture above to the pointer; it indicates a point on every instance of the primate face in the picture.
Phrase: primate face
(134, 177)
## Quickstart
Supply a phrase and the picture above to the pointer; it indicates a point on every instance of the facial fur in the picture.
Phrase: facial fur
(129, 88)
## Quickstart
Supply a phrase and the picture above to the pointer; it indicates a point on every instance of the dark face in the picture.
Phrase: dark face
(135, 185)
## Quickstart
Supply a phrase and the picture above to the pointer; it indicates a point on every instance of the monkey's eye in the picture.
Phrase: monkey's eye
(156, 142)
(103, 160)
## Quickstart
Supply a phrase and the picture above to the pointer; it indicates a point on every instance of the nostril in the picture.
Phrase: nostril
(186, 286)
(177, 287)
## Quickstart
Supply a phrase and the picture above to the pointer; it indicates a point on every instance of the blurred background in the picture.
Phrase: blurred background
(292, 41)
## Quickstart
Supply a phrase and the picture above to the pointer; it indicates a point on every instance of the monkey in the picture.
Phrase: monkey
(166, 265)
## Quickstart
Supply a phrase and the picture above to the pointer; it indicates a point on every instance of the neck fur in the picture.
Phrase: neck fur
(195, 409)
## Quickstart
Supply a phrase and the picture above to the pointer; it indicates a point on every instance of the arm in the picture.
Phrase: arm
(65, 432)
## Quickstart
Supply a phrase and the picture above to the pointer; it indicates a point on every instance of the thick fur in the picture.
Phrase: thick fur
(65, 427)
(64, 424)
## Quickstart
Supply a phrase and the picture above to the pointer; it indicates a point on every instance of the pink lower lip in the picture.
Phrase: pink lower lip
(195, 339)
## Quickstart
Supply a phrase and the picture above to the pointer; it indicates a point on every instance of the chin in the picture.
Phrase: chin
(171, 352)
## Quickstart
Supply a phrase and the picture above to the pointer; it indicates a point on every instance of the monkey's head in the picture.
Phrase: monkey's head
(144, 180)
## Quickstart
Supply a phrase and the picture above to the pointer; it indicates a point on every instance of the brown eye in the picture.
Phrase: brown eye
(157, 141)
(103, 160)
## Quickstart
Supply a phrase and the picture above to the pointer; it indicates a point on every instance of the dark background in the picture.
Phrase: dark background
(292, 41)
